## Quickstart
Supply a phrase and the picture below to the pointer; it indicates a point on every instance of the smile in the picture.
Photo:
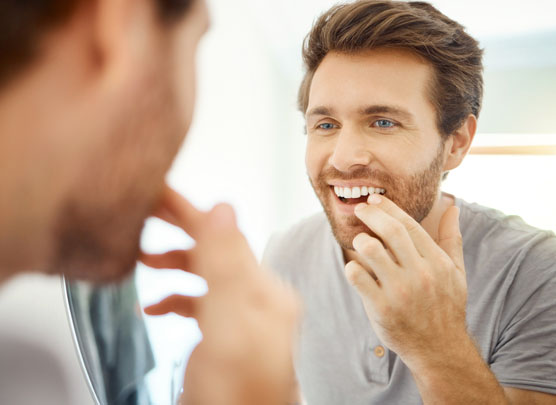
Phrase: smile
(353, 195)
(356, 192)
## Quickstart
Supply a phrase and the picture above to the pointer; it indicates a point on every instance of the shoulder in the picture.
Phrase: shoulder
(511, 268)
(290, 247)
(506, 242)
(487, 226)
(306, 233)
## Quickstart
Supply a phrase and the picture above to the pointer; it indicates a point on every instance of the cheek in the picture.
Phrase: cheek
(185, 81)
(397, 165)
(186, 88)
(401, 159)
(315, 158)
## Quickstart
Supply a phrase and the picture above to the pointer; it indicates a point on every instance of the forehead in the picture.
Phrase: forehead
(381, 77)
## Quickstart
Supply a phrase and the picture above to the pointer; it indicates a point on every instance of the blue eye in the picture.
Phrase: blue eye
(384, 124)
(326, 125)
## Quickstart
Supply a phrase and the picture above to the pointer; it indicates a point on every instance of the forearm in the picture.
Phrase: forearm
(456, 375)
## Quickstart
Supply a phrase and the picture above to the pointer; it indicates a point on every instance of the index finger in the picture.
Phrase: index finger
(222, 253)
(421, 239)
(176, 210)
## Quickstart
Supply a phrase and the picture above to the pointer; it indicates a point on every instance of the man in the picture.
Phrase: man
(409, 294)
(95, 99)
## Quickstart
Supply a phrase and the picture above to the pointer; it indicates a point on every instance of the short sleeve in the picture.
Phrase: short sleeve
(524, 355)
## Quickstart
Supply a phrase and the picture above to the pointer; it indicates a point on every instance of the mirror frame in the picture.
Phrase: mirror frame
(77, 342)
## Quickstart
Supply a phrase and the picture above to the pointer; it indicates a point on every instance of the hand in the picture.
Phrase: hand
(247, 317)
(413, 289)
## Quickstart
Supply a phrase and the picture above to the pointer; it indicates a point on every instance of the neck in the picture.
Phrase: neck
(430, 223)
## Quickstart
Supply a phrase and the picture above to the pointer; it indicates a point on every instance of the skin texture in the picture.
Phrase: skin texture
(403, 250)
(87, 134)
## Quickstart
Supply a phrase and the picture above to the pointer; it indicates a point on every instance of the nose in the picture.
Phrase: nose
(350, 150)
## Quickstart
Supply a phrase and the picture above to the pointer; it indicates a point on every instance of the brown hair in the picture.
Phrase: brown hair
(457, 85)
(23, 23)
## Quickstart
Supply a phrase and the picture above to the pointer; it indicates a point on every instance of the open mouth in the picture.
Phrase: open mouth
(355, 195)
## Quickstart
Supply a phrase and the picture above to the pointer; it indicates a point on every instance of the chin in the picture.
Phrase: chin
(101, 269)
(96, 273)
(100, 247)
(346, 228)
(99, 264)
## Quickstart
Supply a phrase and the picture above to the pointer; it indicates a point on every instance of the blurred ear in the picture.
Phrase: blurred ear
(124, 35)
(458, 143)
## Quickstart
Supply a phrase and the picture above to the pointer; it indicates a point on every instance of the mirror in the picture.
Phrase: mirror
(120, 362)
(155, 354)
(111, 336)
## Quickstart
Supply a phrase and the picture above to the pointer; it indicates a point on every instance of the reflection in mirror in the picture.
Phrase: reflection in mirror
(130, 358)
(274, 170)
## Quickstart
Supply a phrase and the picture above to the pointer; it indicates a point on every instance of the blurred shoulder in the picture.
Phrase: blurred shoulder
(301, 240)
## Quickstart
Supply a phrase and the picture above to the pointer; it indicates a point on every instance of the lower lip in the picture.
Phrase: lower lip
(344, 208)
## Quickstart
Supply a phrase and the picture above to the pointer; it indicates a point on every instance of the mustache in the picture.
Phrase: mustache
(355, 174)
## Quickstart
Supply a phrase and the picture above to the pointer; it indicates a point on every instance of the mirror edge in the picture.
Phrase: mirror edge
(77, 344)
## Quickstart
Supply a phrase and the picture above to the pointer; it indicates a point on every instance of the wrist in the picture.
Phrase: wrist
(455, 373)
(434, 360)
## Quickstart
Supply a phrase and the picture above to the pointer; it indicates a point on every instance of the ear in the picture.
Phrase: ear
(459, 142)
(124, 35)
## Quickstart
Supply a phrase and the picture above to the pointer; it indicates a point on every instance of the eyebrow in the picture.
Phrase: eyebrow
(387, 109)
(367, 110)
(321, 110)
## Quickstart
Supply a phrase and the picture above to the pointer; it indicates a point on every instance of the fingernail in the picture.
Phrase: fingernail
(223, 216)
(374, 199)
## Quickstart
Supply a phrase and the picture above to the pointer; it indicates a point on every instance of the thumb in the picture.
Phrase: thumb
(449, 236)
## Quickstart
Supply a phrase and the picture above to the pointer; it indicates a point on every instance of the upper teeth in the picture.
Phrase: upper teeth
(356, 192)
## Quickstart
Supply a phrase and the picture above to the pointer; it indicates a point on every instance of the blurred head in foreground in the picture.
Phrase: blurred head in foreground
(96, 97)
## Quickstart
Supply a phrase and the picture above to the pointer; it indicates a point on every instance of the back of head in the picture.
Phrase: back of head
(24, 23)
(109, 87)
(457, 87)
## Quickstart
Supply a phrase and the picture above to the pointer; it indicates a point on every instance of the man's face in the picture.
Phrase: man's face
(117, 183)
(370, 125)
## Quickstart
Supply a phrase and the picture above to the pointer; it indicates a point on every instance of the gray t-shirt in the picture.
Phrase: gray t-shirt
(511, 310)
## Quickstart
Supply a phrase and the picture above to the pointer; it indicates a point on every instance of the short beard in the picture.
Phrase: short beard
(415, 195)
(98, 228)
(97, 245)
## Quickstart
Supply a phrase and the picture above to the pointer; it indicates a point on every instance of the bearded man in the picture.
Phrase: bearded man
(411, 295)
